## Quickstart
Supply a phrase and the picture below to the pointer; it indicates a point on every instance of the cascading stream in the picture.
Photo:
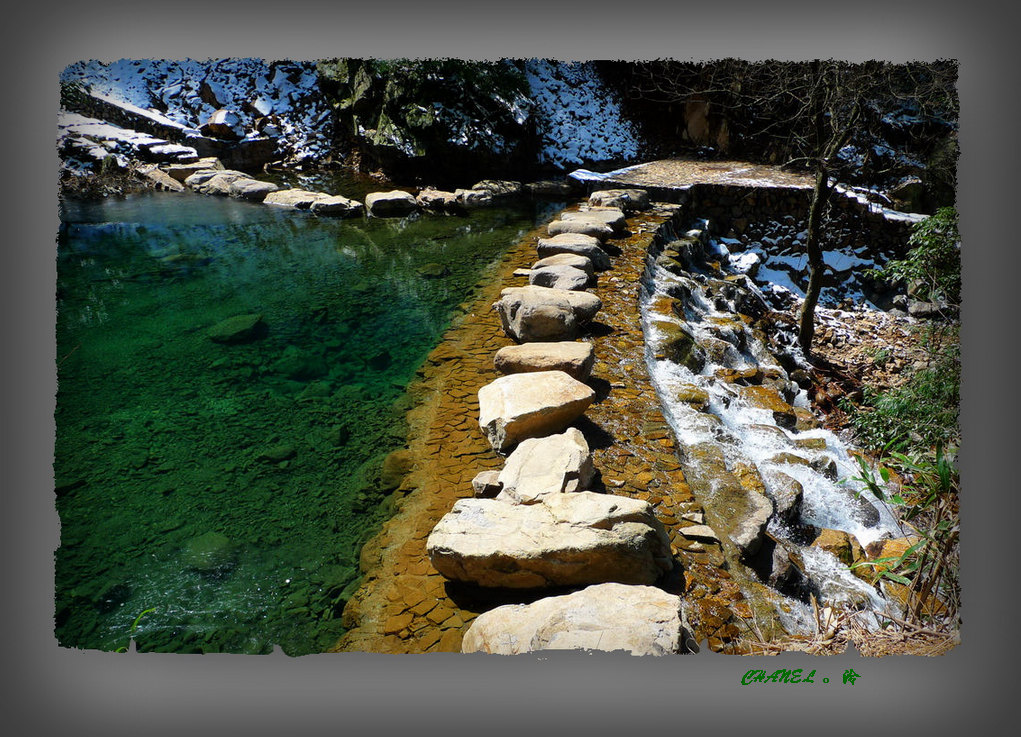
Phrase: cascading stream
(761, 466)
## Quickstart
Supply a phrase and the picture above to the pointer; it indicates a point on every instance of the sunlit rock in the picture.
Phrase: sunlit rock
(581, 226)
(563, 540)
(519, 406)
(395, 203)
(575, 243)
(574, 358)
(628, 200)
(640, 620)
(536, 313)
(612, 216)
(554, 464)
(574, 260)
(559, 277)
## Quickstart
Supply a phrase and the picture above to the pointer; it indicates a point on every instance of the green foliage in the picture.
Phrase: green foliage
(134, 626)
(933, 265)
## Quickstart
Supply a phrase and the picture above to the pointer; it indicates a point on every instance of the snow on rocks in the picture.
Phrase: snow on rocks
(562, 540)
(528, 405)
(608, 617)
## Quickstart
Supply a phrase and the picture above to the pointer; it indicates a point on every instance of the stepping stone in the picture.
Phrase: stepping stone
(394, 203)
(500, 188)
(572, 357)
(530, 405)
(608, 617)
(250, 189)
(337, 206)
(536, 313)
(436, 199)
(612, 216)
(628, 200)
(559, 277)
(578, 244)
(581, 226)
(567, 259)
(563, 540)
(556, 464)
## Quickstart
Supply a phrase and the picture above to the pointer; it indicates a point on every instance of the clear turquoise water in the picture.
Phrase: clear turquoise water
(273, 446)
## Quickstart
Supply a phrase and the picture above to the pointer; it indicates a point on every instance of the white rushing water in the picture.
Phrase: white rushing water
(817, 458)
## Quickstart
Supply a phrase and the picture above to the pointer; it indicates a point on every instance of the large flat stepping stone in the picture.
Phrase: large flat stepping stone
(564, 540)
(556, 464)
(607, 617)
(574, 260)
(535, 313)
(337, 206)
(628, 200)
(559, 277)
(530, 405)
(299, 199)
(578, 244)
(612, 216)
(581, 226)
(437, 199)
(574, 358)
(394, 203)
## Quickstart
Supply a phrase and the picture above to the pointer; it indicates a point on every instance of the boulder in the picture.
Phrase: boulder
(572, 357)
(250, 189)
(563, 540)
(500, 188)
(674, 342)
(628, 200)
(787, 495)
(612, 216)
(581, 226)
(555, 464)
(237, 329)
(180, 172)
(216, 182)
(486, 484)
(567, 259)
(225, 125)
(536, 313)
(473, 197)
(841, 544)
(436, 199)
(608, 617)
(395, 203)
(299, 199)
(578, 244)
(559, 277)
(519, 406)
(209, 553)
(768, 398)
(336, 206)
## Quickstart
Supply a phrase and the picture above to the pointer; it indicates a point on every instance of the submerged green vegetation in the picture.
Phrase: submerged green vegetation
(224, 489)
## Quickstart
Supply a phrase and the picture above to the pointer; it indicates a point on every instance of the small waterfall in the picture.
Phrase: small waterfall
(762, 467)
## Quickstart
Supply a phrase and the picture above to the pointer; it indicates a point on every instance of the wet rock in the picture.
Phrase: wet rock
(395, 203)
(299, 365)
(628, 200)
(675, 343)
(209, 553)
(519, 406)
(581, 226)
(575, 243)
(574, 358)
(640, 620)
(564, 540)
(396, 466)
(844, 546)
(535, 313)
(433, 270)
(559, 277)
(693, 396)
(237, 329)
(278, 453)
(768, 398)
(554, 464)
(787, 495)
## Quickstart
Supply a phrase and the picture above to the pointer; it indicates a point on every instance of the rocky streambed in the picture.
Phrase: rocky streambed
(550, 502)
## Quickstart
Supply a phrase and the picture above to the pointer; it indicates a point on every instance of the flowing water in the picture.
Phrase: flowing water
(708, 408)
(222, 491)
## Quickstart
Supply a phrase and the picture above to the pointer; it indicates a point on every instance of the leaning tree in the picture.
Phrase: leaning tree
(802, 114)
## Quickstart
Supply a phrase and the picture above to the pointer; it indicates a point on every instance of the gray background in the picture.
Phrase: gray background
(50, 689)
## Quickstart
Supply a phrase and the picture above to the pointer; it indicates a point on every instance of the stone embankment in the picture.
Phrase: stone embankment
(545, 473)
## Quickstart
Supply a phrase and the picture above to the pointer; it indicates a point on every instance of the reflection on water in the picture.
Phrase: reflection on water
(229, 486)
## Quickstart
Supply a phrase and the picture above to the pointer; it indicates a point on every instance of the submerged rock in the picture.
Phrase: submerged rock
(237, 329)
(209, 553)
(519, 406)
(640, 620)
(564, 540)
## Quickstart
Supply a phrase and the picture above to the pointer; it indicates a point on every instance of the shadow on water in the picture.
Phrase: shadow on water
(228, 485)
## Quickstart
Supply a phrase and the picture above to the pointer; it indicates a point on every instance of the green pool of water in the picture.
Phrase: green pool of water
(228, 487)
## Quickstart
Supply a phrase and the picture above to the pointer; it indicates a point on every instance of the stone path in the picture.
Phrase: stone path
(404, 605)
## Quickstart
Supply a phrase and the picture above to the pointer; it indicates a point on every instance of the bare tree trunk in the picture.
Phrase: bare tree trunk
(806, 325)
